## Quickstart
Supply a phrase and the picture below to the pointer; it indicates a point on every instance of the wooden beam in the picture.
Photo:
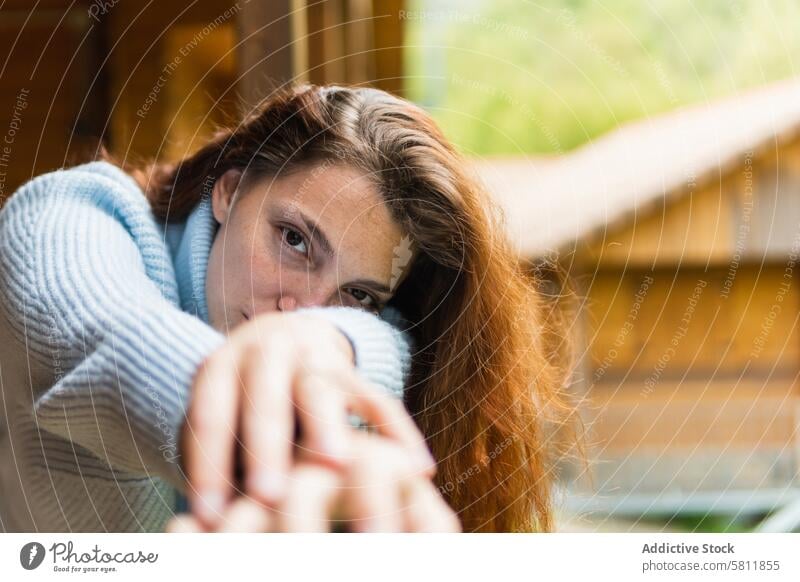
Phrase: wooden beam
(265, 55)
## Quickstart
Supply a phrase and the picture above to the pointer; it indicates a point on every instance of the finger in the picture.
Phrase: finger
(184, 523)
(210, 434)
(322, 412)
(267, 421)
(425, 510)
(390, 418)
(310, 500)
(246, 515)
(371, 497)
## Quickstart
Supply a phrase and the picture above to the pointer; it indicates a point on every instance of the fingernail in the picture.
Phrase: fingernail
(336, 447)
(210, 506)
(271, 485)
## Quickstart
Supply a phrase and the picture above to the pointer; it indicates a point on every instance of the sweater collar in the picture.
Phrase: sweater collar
(191, 245)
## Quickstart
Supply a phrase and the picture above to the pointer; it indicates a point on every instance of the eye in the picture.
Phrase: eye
(363, 297)
(294, 239)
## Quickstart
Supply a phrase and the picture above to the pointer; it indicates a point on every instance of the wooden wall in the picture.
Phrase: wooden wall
(752, 209)
(156, 79)
(43, 80)
(691, 331)
(718, 322)
(172, 72)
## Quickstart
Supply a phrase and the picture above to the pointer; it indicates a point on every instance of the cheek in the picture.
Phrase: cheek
(266, 273)
(262, 271)
(273, 273)
(246, 274)
(228, 275)
(214, 287)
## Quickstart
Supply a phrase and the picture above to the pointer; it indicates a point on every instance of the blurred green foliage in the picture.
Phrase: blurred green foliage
(518, 76)
(703, 522)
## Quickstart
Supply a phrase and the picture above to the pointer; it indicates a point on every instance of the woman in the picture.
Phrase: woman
(485, 385)
(489, 370)
(107, 322)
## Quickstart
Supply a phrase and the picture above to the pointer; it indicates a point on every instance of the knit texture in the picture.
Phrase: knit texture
(104, 325)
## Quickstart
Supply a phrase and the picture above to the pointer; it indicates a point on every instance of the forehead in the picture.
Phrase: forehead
(327, 187)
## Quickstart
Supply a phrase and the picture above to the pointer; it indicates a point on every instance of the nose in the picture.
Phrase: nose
(287, 304)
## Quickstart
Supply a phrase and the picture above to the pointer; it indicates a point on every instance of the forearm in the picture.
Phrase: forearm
(381, 351)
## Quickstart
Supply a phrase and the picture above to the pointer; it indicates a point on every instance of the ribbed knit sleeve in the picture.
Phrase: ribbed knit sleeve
(382, 347)
(90, 291)
(85, 289)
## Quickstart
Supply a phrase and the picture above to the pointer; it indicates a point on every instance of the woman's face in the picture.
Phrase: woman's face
(321, 235)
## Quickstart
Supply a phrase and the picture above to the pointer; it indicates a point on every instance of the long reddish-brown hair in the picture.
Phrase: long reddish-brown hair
(491, 366)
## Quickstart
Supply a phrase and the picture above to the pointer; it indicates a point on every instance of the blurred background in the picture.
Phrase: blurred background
(646, 155)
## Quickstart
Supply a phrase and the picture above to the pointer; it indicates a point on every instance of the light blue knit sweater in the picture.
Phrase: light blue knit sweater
(104, 325)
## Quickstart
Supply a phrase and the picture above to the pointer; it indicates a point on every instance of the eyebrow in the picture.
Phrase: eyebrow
(379, 287)
(316, 233)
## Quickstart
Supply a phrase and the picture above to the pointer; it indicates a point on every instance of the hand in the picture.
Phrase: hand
(272, 372)
(377, 491)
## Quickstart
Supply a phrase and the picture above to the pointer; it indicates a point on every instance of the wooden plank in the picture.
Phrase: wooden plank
(168, 67)
(359, 42)
(695, 436)
(356, 42)
(694, 230)
(265, 53)
(333, 59)
(206, 74)
(686, 473)
(704, 226)
(704, 324)
(300, 45)
(40, 91)
(42, 6)
(710, 419)
(389, 35)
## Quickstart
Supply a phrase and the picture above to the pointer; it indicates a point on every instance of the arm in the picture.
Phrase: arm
(80, 293)
(382, 351)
